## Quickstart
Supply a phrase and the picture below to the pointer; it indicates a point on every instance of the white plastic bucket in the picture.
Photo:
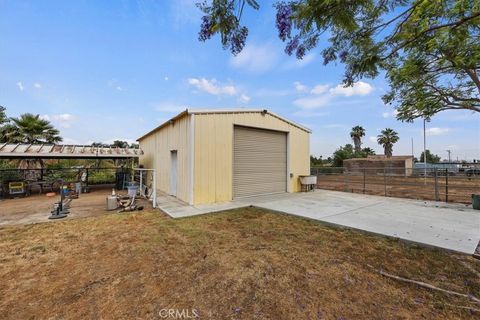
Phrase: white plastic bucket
(132, 191)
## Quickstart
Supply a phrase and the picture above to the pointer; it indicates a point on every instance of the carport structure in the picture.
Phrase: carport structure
(36, 177)
(55, 151)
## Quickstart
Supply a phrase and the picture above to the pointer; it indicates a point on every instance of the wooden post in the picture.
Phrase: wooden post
(435, 174)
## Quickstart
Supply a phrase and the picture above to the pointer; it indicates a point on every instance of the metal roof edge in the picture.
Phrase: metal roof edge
(216, 111)
(178, 116)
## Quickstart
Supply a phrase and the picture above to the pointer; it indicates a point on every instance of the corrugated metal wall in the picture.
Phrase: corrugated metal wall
(157, 148)
(213, 161)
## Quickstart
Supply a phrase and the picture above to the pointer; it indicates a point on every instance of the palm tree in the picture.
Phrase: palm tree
(9, 133)
(30, 128)
(356, 134)
(387, 139)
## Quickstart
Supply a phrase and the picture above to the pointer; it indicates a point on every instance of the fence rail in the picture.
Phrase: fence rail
(426, 184)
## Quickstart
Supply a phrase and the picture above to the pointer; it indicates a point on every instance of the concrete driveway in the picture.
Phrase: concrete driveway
(449, 226)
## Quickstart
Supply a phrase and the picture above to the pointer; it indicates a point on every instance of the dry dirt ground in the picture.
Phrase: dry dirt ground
(459, 189)
(36, 208)
(239, 264)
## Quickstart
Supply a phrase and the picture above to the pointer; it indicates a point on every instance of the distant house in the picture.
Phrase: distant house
(209, 156)
(397, 165)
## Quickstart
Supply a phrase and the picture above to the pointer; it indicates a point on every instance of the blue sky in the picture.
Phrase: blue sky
(106, 70)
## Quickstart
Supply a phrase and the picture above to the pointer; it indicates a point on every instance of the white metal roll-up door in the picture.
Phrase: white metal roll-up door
(259, 161)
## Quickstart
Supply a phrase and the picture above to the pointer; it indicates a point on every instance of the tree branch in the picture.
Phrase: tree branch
(473, 75)
(433, 28)
(426, 285)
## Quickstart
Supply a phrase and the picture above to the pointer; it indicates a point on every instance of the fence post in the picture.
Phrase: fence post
(446, 185)
(435, 175)
(364, 169)
(385, 180)
(154, 183)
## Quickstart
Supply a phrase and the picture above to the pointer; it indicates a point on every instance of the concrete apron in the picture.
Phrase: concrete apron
(453, 227)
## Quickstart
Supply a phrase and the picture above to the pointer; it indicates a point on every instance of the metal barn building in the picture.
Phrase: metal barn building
(210, 156)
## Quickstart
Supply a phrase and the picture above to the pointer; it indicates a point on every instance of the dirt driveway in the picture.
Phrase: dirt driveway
(36, 208)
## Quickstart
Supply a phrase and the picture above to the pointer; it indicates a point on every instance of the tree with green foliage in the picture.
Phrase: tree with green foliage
(348, 152)
(356, 134)
(29, 128)
(365, 152)
(316, 162)
(119, 144)
(431, 158)
(428, 50)
(343, 153)
(3, 116)
(387, 139)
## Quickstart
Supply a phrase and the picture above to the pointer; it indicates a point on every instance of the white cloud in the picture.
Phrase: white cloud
(359, 88)
(300, 87)
(113, 83)
(312, 102)
(37, 85)
(372, 139)
(166, 78)
(255, 59)
(212, 86)
(390, 114)
(63, 120)
(63, 117)
(244, 98)
(320, 88)
(435, 131)
(20, 86)
(322, 94)
(67, 140)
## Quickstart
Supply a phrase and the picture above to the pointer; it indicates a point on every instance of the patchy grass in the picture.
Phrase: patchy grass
(239, 264)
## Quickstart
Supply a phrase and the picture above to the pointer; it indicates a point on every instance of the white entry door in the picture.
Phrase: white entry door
(173, 172)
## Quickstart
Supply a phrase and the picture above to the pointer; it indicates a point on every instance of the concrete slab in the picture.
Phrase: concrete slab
(450, 226)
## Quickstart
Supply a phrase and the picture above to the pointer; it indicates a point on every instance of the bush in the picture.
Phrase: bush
(101, 176)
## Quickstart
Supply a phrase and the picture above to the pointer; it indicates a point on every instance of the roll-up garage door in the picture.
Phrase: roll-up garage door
(259, 161)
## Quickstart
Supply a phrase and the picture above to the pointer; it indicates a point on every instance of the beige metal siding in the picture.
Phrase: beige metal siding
(157, 149)
(259, 161)
(213, 155)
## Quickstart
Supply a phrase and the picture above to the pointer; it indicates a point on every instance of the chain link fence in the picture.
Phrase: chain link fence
(439, 184)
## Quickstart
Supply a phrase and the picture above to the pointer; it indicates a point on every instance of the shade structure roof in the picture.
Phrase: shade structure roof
(56, 151)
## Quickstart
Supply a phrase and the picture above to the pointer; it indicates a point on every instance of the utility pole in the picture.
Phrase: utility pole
(449, 159)
(412, 149)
